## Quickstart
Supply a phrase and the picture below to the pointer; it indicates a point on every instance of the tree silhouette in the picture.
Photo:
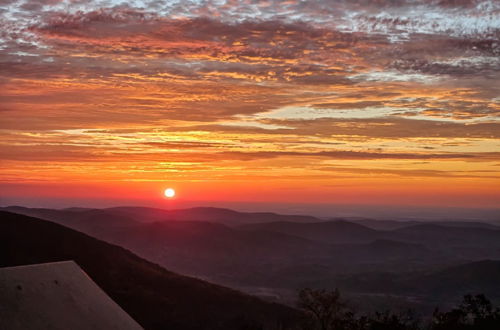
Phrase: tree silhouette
(475, 312)
(391, 321)
(325, 310)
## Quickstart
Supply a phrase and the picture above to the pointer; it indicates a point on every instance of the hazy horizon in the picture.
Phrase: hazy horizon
(320, 210)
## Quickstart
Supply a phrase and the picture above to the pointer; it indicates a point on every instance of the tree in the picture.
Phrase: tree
(475, 312)
(391, 321)
(325, 310)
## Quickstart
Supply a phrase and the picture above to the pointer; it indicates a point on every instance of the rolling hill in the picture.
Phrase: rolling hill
(155, 297)
(127, 214)
(208, 214)
(327, 231)
(439, 286)
(381, 224)
(279, 255)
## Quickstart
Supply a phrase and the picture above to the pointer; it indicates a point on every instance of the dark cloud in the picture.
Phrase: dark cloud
(410, 172)
(348, 105)
(392, 128)
(72, 153)
(343, 154)
(119, 30)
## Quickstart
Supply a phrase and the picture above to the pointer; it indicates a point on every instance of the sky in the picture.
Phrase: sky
(373, 102)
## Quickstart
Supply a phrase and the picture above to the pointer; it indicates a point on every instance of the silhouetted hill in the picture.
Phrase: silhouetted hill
(77, 209)
(429, 287)
(208, 214)
(155, 297)
(379, 252)
(383, 248)
(341, 231)
(278, 257)
(214, 251)
(439, 235)
(475, 277)
(327, 231)
(472, 242)
(148, 214)
(332, 232)
(380, 224)
(83, 219)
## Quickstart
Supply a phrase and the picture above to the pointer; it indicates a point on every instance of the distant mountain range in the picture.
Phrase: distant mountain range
(338, 231)
(147, 214)
(395, 224)
(226, 216)
(155, 297)
(424, 289)
(277, 254)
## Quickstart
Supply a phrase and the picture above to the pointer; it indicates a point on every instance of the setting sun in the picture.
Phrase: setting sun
(169, 192)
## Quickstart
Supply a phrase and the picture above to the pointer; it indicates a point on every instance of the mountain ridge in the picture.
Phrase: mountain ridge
(134, 283)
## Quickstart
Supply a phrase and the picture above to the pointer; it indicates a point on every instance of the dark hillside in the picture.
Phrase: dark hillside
(155, 297)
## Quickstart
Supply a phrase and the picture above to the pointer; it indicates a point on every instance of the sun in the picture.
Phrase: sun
(169, 192)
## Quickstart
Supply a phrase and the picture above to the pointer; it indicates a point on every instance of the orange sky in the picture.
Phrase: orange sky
(320, 102)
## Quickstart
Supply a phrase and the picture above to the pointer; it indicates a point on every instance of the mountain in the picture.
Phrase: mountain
(253, 255)
(82, 219)
(474, 277)
(279, 255)
(155, 297)
(128, 214)
(208, 250)
(439, 235)
(213, 251)
(92, 221)
(208, 214)
(383, 250)
(380, 224)
(326, 231)
(469, 242)
(441, 286)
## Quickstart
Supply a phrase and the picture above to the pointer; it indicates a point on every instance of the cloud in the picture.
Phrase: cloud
(213, 84)
(347, 105)
(132, 33)
(356, 155)
(488, 174)
(371, 128)
(134, 152)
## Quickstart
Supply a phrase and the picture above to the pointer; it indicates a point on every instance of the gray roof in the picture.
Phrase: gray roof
(57, 295)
